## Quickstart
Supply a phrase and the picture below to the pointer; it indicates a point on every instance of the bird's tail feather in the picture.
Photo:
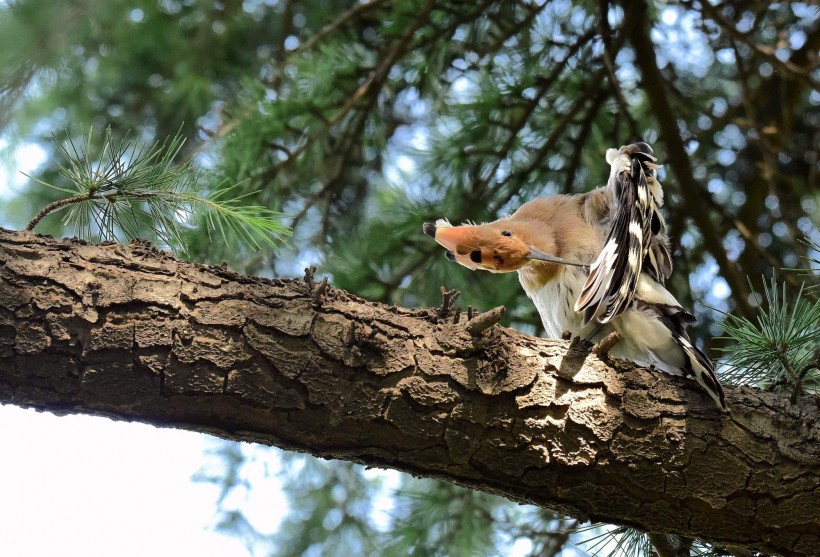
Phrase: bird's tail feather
(700, 368)
(669, 344)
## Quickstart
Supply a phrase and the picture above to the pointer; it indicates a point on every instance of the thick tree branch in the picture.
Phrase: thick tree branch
(129, 333)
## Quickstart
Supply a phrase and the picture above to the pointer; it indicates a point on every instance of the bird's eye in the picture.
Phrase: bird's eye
(506, 233)
(450, 256)
(475, 256)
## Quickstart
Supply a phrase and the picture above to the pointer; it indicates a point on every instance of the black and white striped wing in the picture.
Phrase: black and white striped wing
(694, 364)
(636, 241)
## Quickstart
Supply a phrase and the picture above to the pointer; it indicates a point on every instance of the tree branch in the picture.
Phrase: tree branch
(353, 13)
(368, 88)
(130, 333)
(609, 56)
(798, 380)
(768, 52)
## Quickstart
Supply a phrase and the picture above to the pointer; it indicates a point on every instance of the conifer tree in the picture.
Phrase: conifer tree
(352, 123)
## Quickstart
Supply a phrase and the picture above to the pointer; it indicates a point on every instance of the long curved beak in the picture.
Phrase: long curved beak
(541, 256)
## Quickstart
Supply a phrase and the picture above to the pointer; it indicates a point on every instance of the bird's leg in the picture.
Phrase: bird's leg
(603, 346)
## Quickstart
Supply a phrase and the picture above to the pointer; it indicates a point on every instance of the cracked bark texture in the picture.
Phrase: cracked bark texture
(129, 333)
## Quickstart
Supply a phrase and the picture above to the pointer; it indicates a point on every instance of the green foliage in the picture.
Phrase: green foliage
(812, 271)
(620, 541)
(338, 509)
(224, 464)
(435, 518)
(774, 350)
(128, 189)
(601, 540)
(362, 120)
(332, 509)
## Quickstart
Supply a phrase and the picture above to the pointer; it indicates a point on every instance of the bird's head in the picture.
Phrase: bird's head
(502, 246)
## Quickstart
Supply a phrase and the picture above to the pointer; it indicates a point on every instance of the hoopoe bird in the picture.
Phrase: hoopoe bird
(594, 263)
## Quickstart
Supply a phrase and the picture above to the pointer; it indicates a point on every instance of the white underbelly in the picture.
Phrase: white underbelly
(555, 303)
(647, 341)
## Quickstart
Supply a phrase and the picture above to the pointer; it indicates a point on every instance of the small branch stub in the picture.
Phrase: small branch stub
(448, 300)
(309, 280)
(579, 344)
(603, 346)
(484, 321)
(316, 291)
(320, 290)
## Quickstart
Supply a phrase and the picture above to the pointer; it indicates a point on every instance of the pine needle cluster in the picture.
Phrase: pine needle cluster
(780, 350)
(127, 189)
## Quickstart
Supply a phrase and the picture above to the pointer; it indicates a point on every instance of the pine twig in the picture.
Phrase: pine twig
(580, 140)
(748, 237)
(544, 150)
(609, 55)
(370, 85)
(127, 188)
(59, 204)
(544, 86)
(766, 51)
(353, 13)
(798, 382)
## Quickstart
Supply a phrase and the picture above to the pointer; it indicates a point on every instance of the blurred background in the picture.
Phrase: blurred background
(359, 121)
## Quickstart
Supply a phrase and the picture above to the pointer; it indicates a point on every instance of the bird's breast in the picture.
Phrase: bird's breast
(555, 299)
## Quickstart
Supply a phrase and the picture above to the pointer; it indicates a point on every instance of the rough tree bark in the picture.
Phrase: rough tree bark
(129, 333)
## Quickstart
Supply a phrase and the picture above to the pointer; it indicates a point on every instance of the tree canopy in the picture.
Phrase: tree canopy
(359, 121)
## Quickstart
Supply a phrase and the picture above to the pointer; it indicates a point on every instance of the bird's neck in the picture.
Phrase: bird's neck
(534, 276)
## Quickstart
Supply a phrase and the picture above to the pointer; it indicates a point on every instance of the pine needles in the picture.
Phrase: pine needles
(812, 272)
(130, 189)
(618, 541)
(782, 350)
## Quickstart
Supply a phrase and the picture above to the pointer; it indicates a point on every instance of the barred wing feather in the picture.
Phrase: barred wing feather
(636, 241)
